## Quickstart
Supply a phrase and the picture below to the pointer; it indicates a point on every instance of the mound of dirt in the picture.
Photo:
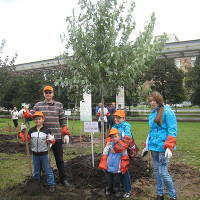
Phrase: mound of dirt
(11, 147)
(4, 137)
(81, 174)
(87, 183)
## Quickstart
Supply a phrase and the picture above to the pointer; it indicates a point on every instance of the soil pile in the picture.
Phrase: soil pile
(10, 147)
(81, 174)
(87, 183)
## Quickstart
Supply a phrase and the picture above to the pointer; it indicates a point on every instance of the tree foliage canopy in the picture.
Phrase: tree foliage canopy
(104, 54)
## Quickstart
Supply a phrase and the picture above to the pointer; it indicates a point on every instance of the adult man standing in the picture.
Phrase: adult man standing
(55, 120)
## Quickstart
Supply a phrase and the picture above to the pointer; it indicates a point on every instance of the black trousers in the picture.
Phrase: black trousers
(58, 154)
(110, 122)
(113, 181)
(15, 122)
(99, 125)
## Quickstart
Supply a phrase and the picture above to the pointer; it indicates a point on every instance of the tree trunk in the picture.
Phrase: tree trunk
(102, 119)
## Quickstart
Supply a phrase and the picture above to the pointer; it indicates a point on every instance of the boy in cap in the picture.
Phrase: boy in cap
(40, 138)
(115, 164)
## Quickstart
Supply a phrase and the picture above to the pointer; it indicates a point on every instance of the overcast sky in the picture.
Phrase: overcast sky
(33, 27)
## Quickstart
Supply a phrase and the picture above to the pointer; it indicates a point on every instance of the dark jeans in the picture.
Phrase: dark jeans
(15, 122)
(58, 154)
(113, 181)
(126, 181)
(99, 125)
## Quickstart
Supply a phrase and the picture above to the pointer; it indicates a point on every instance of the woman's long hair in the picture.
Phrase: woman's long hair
(156, 96)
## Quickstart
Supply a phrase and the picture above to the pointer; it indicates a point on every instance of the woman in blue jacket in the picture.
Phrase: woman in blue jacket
(161, 142)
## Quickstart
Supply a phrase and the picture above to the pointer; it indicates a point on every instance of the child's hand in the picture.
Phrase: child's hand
(112, 150)
(51, 139)
(108, 143)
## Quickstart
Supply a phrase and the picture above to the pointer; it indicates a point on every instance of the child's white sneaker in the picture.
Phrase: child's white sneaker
(126, 195)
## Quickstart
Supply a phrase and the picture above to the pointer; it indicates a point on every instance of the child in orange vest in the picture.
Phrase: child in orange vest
(115, 164)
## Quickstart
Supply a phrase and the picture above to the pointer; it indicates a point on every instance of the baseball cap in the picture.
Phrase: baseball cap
(48, 88)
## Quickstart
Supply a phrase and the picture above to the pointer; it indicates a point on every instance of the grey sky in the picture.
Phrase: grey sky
(33, 27)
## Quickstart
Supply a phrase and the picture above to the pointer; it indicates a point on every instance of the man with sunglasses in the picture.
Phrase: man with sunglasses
(55, 121)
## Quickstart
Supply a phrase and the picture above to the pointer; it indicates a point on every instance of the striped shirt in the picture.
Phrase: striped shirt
(54, 116)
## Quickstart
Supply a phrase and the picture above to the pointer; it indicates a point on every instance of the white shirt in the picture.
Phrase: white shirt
(14, 114)
(104, 117)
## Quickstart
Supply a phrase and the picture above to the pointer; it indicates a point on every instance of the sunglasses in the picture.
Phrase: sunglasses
(48, 92)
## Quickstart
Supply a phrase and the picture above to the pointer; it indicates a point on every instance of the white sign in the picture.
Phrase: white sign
(120, 97)
(91, 127)
(68, 112)
(86, 108)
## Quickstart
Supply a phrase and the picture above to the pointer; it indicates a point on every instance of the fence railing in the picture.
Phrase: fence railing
(190, 115)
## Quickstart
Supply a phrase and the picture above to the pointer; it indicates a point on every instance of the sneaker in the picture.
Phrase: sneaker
(159, 197)
(52, 188)
(107, 192)
(117, 194)
(127, 195)
(65, 183)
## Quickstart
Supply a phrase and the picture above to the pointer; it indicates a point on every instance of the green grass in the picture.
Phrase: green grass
(188, 141)
(14, 167)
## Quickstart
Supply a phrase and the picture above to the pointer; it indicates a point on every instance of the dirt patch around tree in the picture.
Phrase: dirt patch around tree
(88, 183)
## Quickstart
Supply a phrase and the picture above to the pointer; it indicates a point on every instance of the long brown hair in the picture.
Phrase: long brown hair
(156, 96)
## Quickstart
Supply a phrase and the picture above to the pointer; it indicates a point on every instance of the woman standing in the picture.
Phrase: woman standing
(14, 115)
(161, 142)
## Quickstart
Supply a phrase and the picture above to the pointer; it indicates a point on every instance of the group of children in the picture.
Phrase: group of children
(114, 161)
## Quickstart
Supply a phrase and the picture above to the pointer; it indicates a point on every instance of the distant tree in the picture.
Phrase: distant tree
(22, 88)
(167, 79)
(193, 82)
(6, 69)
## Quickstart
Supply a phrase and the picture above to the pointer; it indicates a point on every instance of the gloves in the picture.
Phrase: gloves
(107, 114)
(51, 139)
(170, 142)
(144, 152)
(168, 153)
(65, 131)
(23, 138)
(98, 114)
(23, 126)
(107, 149)
(66, 139)
(27, 114)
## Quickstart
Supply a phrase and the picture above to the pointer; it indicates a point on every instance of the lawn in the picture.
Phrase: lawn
(14, 167)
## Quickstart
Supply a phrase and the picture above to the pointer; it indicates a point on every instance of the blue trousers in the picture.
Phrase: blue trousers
(126, 181)
(42, 161)
(162, 175)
